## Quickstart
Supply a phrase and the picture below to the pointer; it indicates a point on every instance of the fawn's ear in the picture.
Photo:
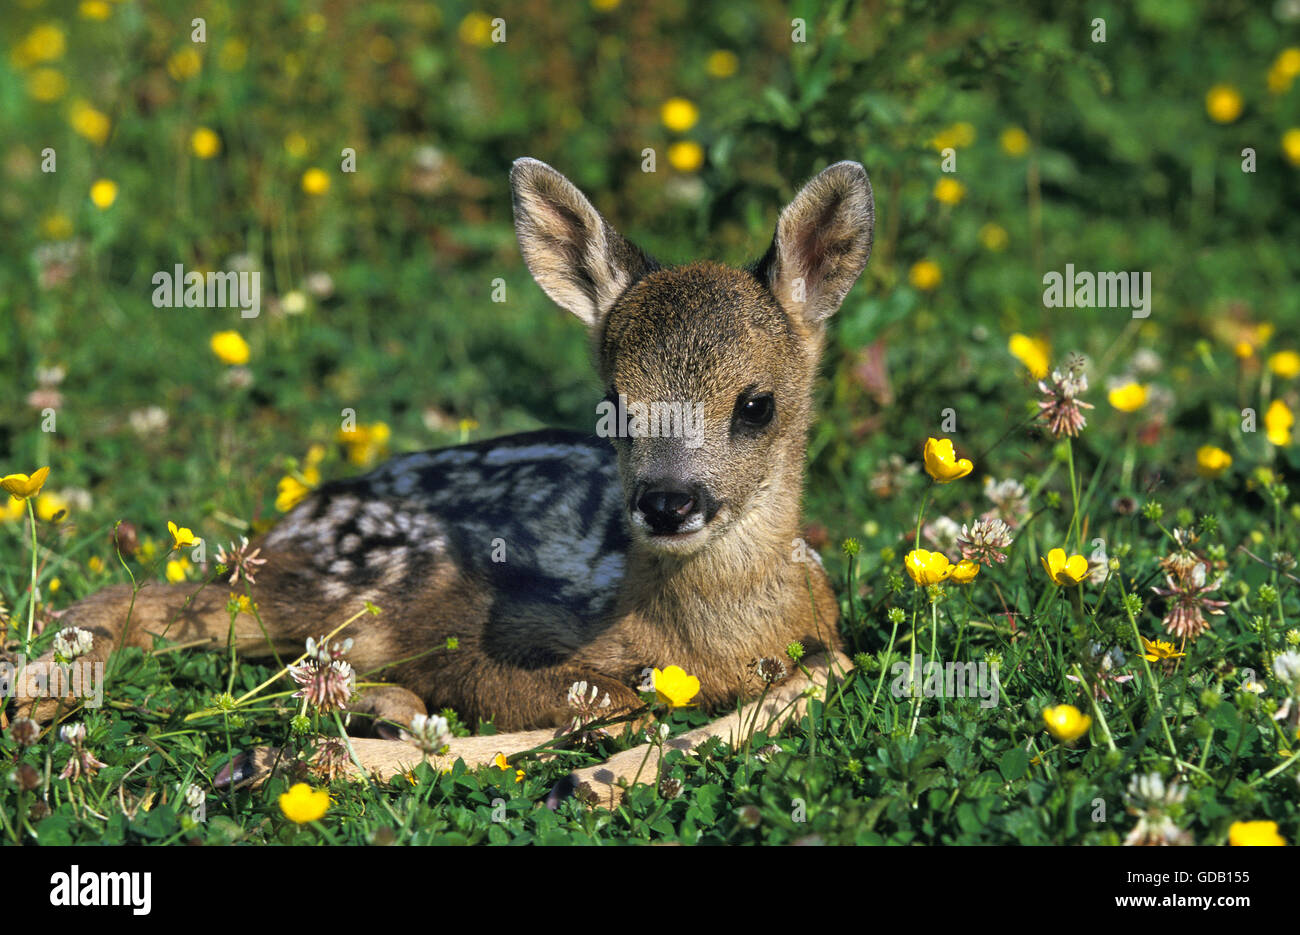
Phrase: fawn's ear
(577, 258)
(822, 242)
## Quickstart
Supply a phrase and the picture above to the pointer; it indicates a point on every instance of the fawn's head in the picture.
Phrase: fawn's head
(708, 369)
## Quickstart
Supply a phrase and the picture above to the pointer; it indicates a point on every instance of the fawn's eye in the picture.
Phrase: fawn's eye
(754, 411)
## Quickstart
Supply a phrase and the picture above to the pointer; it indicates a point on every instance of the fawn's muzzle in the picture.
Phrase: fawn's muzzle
(668, 508)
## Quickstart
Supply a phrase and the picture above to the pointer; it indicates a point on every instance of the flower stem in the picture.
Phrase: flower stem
(916, 699)
(884, 662)
(1096, 708)
(31, 596)
(1146, 664)
(920, 514)
(1074, 495)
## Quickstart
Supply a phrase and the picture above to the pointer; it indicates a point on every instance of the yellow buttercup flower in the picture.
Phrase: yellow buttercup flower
(949, 191)
(925, 275)
(297, 145)
(45, 43)
(51, 506)
(501, 763)
(230, 348)
(95, 564)
(22, 486)
(1285, 364)
(103, 193)
(177, 569)
(964, 572)
(476, 29)
(88, 122)
(1277, 423)
(1255, 834)
(679, 114)
(721, 64)
(958, 135)
(942, 463)
(1065, 571)
(1066, 723)
(1278, 81)
(181, 536)
(11, 510)
(1034, 353)
(94, 9)
(993, 237)
(46, 84)
(289, 493)
(1014, 141)
(1223, 103)
(366, 443)
(234, 52)
(302, 803)
(54, 585)
(1212, 461)
(310, 468)
(1128, 398)
(1159, 650)
(57, 226)
(184, 64)
(205, 143)
(927, 568)
(315, 182)
(674, 687)
(1288, 62)
(686, 155)
(1291, 146)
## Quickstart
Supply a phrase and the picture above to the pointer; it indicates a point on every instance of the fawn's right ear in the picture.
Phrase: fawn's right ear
(577, 258)
(822, 242)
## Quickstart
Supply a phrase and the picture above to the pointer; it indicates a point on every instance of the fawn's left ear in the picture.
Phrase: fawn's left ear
(822, 242)
(575, 255)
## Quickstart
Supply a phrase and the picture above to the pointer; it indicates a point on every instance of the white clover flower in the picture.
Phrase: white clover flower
(429, 732)
(316, 649)
(194, 795)
(1286, 666)
(72, 642)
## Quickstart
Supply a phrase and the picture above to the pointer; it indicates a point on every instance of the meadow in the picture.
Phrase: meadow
(1108, 548)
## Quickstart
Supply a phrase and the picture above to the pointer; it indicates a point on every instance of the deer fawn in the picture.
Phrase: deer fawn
(552, 557)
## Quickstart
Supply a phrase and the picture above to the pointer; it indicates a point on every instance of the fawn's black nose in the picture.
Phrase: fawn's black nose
(667, 508)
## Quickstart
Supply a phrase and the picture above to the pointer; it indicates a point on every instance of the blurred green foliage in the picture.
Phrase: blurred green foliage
(1121, 168)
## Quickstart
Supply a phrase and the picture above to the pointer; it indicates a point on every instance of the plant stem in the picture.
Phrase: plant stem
(1074, 496)
(31, 595)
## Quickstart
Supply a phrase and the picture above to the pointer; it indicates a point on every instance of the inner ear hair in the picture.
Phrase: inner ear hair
(573, 253)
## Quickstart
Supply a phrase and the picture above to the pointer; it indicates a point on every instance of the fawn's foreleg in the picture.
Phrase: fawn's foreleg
(602, 785)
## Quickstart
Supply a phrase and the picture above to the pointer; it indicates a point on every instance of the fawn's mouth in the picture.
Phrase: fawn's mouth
(690, 535)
